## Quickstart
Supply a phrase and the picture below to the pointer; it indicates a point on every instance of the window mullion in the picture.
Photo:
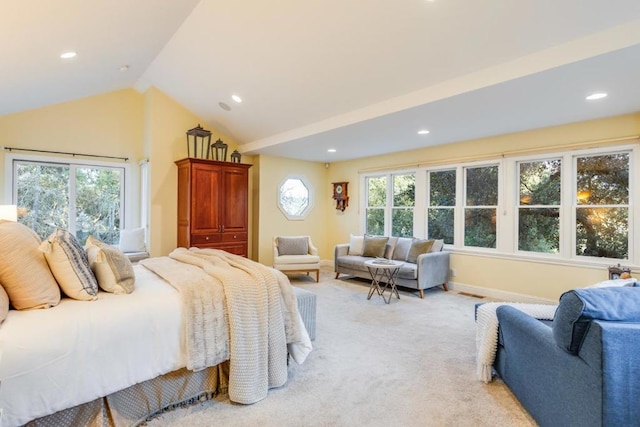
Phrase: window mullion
(72, 198)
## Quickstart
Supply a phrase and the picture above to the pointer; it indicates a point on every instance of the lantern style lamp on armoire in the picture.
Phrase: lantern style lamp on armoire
(213, 205)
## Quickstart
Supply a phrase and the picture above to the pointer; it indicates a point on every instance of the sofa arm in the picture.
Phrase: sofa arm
(341, 250)
(433, 269)
(556, 387)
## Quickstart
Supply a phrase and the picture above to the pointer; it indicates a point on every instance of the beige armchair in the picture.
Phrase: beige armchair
(295, 254)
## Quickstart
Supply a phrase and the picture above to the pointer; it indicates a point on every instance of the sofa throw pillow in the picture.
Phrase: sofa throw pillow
(355, 244)
(112, 268)
(402, 248)
(390, 247)
(418, 247)
(24, 272)
(132, 240)
(578, 307)
(69, 265)
(374, 246)
(4, 304)
(437, 245)
(298, 245)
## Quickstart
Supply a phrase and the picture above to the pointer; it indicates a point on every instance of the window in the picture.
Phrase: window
(572, 206)
(539, 201)
(442, 205)
(85, 199)
(481, 203)
(390, 204)
(602, 206)
(404, 195)
(376, 203)
(294, 197)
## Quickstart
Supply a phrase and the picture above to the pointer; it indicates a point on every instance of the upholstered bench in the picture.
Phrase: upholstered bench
(307, 309)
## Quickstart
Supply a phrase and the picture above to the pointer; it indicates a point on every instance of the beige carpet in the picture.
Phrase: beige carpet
(409, 363)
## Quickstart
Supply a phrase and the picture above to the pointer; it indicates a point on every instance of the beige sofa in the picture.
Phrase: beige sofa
(430, 269)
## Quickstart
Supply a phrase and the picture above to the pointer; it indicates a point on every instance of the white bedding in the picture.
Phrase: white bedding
(140, 340)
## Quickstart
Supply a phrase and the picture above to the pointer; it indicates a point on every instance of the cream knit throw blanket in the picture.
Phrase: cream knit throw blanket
(487, 332)
(253, 304)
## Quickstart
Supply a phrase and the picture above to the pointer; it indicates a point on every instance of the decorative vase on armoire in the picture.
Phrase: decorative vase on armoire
(213, 205)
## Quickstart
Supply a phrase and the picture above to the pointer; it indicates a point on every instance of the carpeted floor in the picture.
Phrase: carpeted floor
(409, 363)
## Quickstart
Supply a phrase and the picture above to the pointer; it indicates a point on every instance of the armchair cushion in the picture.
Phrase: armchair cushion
(579, 307)
(374, 246)
(293, 245)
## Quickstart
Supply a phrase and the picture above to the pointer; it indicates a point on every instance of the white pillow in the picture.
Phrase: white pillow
(437, 245)
(132, 240)
(356, 244)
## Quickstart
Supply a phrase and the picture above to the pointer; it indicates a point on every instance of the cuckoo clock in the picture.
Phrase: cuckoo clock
(340, 195)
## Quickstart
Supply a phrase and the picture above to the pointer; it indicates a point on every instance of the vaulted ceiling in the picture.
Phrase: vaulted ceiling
(358, 76)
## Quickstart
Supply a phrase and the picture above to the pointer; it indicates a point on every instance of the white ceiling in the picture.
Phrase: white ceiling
(360, 76)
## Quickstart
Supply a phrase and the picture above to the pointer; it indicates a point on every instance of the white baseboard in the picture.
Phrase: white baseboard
(326, 263)
(498, 294)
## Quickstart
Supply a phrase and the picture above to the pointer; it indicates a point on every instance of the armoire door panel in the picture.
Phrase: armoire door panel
(205, 196)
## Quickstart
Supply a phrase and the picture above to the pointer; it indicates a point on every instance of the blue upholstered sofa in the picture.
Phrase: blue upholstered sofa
(582, 369)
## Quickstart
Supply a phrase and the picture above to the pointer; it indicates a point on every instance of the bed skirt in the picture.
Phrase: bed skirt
(140, 402)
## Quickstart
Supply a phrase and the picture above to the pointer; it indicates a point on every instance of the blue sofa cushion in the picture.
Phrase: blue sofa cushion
(579, 307)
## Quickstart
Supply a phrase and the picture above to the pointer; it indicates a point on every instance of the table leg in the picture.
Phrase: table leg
(391, 275)
(375, 282)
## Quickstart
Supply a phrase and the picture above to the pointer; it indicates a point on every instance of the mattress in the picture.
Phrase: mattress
(78, 351)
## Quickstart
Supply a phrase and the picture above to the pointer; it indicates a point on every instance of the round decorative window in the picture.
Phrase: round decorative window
(294, 197)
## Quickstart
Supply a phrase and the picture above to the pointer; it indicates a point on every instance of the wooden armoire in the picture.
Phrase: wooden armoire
(213, 205)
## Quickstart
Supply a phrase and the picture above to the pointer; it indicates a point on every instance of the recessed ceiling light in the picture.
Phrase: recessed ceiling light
(124, 68)
(423, 132)
(68, 55)
(597, 95)
(331, 150)
(236, 98)
(224, 106)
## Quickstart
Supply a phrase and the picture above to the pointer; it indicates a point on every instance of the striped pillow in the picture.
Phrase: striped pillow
(69, 265)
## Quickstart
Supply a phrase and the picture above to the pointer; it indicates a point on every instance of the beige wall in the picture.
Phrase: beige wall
(151, 125)
(123, 123)
(165, 141)
(545, 281)
(272, 222)
(109, 124)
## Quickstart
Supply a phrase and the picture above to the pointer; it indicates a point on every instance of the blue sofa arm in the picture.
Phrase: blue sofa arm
(557, 388)
(621, 370)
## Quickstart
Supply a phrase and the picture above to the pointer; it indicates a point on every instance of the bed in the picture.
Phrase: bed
(120, 359)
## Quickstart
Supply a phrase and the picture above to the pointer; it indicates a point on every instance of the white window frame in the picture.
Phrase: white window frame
(507, 210)
(427, 203)
(311, 196)
(418, 214)
(73, 163)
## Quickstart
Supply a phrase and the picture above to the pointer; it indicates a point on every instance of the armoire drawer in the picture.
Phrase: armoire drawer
(234, 237)
(199, 239)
